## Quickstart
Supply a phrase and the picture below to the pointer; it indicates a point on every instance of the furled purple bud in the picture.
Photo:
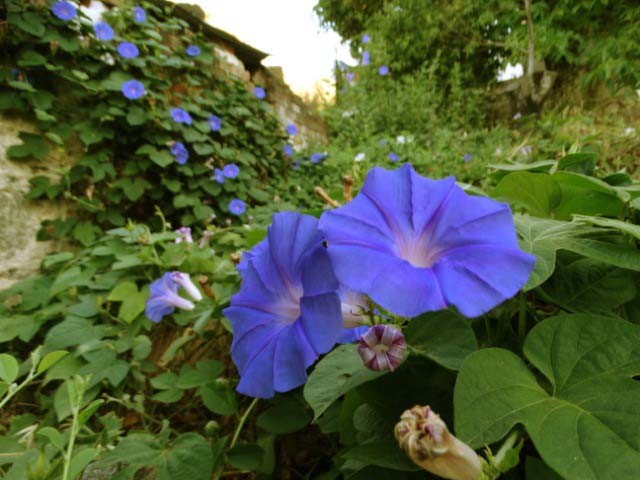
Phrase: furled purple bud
(185, 282)
(427, 440)
(382, 347)
(185, 235)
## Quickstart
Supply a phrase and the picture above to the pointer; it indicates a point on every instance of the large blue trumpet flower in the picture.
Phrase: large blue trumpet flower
(414, 245)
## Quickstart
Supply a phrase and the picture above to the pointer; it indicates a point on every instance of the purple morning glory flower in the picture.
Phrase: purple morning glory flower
(133, 89)
(467, 157)
(237, 207)
(193, 50)
(287, 311)
(128, 50)
(231, 170)
(218, 176)
(351, 77)
(139, 15)
(103, 31)
(366, 58)
(180, 152)
(425, 245)
(366, 38)
(382, 347)
(383, 70)
(185, 235)
(180, 116)
(292, 129)
(215, 123)
(393, 157)
(64, 10)
(259, 92)
(317, 157)
(288, 150)
(164, 298)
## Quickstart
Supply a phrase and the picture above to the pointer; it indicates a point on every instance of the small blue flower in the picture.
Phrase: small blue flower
(351, 77)
(103, 31)
(237, 206)
(467, 157)
(318, 157)
(128, 50)
(218, 175)
(393, 157)
(64, 10)
(366, 38)
(383, 70)
(231, 170)
(288, 150)
(180, 116)
(180, 152)
(295, 165)
(366, 58)
(164, 298)
(259, 93)
(292, 129)
(139, 15)
(215, 123)
(193, 50)
(133, 89)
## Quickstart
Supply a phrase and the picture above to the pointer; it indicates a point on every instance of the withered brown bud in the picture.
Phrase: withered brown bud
(427, 440)
(347, 187)
(235, 257)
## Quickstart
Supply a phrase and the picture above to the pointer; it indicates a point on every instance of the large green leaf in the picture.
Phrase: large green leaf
(588, 286)
(586, 196)
(585, 423)
(444, 337)
(544, 238)
(336, 374)
(538, 193)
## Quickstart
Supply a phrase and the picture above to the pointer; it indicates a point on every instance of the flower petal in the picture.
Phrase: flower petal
(477, 278)
(257, 379)
(289, 361)
(321, 319)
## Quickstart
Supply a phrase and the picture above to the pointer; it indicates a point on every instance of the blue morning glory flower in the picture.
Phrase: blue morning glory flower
(180, 152)
(103, 31)
(288, 310)
(231, 170)
(317, 157)
(288, 150)
(393, 157)
(180, 116)
(467, 157)
(237, 206)
(133, 89)
(366, 58)
(215, 123)
(139, 15)
(259, 93)
(425, 245)
(351, 77)
(193, 50)
(128, 50)
(383, 70)
(366, 38)
(64, 10)
(292, 129)
(218, 176)
(164, 298)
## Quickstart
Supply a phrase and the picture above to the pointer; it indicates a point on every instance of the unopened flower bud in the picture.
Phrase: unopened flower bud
(185, 235)
(382, 347)
(427, 440)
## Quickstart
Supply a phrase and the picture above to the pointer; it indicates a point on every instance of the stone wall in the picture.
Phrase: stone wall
(20, 252)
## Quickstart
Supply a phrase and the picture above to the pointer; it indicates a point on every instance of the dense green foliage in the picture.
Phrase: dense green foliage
(89, 386)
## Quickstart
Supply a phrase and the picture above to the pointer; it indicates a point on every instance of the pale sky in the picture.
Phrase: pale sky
(286, 29)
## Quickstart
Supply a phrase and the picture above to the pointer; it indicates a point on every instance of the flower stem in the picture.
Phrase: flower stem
(522, 318)
(243, 419)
